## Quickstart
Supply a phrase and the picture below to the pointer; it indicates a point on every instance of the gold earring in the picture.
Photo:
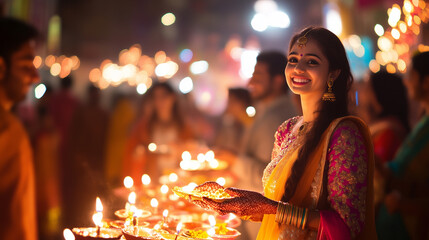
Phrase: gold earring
(329, 96)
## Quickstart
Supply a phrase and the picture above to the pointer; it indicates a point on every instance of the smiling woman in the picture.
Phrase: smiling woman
(318, 184)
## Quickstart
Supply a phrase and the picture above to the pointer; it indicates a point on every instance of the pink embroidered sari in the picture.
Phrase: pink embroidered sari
(338, 182)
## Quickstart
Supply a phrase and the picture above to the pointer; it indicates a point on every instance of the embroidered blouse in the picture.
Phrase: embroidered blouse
(346, 175)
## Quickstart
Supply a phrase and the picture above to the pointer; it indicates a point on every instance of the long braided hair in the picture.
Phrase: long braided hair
(334, 51)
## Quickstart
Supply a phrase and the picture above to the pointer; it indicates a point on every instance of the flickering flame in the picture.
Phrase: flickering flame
(98, 205)
(128, 182)
(165, 213)
(68, 234)
(230, 217)
(179, 227)
(97, 219)
(212, 220)
(132, 198)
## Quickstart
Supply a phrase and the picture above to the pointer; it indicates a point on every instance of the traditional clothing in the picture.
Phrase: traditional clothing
(17, 190)
(410, 168)
(337, 181)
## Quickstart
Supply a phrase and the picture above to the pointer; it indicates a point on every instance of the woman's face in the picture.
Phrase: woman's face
(307, 70)
(163, 100)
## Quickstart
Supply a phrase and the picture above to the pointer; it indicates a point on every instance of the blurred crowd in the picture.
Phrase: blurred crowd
(82, 150)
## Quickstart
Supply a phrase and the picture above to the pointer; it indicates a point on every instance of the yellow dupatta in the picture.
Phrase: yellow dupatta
(274, 188)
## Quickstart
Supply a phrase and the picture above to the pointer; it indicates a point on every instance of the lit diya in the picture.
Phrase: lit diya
(195, 194)
(140, 233)
(97, 233)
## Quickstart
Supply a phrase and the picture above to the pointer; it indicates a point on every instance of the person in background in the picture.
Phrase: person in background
(273, 106)
(161, 122)
(405, 215)
(120, 120)
(387, 105)
(235, 120)
(17, 181)
(84, 160)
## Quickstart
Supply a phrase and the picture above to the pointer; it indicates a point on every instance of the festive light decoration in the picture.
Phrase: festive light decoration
(401, 35)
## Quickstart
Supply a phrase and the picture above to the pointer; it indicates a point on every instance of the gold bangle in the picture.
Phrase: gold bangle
(297, 217)
(305, 219)
(278, 212)
(289, 216)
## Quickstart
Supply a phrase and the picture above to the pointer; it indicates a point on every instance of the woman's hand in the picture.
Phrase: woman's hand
(246, 204)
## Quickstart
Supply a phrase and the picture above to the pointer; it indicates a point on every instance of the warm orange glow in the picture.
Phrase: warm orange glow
(75, 62)
(402, 66)
(55, 69)
(49, 60)
(37, 61)
(417, 20)
(132, 198)
(408, 7)
(402, 26)
(395, 33)
(160, 57)
(390, 68)
(94, 75)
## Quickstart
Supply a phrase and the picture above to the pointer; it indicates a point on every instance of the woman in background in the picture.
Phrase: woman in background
(162, 123)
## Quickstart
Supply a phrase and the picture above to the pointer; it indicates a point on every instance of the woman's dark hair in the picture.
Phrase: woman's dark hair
(420, 63)
(177, 115)
(391, 94)
(242, 95)
(334, 51)
(276, 62)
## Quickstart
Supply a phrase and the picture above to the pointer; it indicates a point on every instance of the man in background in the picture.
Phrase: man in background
(17, 74)
(273, 105)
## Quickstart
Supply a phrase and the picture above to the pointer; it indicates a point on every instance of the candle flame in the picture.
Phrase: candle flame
(164, 189)
(230, 217)
(165, 213)
(154, 202)
(98, 205)
(97, 219)
(133, 210)
(145, 179)
(211, 231)
(212, 220)
(128, 182)
(68, 234)
(179, 227)
(132, 198)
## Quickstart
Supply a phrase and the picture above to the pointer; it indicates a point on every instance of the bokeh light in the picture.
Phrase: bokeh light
(186, 85)
(37, 61)
(379, 30)
(141, 88)
(168, 19)
(199, 67)
(186, 55)
(39, 91)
